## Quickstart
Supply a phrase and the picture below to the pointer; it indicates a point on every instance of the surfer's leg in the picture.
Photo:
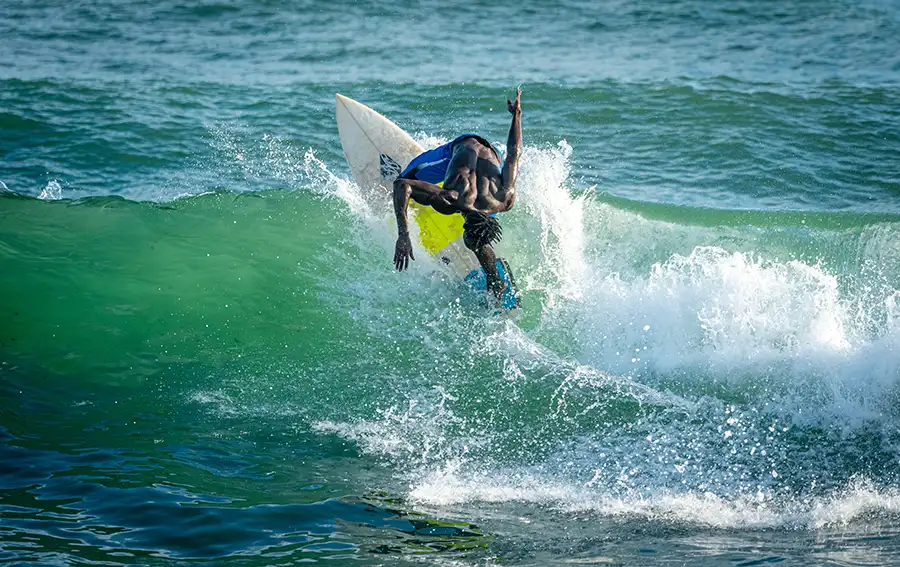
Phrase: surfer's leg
(479, 231)
(488, 261)
(425, 193)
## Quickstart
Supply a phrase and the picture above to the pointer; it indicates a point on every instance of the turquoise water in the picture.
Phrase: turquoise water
(205, 357)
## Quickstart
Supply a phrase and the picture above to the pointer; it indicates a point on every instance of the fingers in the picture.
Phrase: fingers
(398, 259)
(402, 258)
(514, 106)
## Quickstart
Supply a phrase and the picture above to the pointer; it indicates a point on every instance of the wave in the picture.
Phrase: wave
(711, 372)
(663, 366)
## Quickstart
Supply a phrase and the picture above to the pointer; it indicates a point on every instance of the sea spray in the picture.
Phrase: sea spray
(703, 390)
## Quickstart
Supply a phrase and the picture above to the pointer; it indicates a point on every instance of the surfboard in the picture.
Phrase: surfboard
(377, 151)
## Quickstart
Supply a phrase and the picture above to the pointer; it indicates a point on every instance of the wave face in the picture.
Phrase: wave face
(206, 358)
(737, 373)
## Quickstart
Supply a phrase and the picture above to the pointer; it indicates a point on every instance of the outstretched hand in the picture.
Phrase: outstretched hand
(403, 252)
(514, 107)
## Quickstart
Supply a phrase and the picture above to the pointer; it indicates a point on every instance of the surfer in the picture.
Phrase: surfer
(463, 176)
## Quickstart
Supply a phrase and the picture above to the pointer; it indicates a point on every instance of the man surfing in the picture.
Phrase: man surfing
(463, 176)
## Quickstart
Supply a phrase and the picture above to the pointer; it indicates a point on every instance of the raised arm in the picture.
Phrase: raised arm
(513, 149)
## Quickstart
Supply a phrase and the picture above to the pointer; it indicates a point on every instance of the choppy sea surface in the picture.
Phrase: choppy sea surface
(206, 358)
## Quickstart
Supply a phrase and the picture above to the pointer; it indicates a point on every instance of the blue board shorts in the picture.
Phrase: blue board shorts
(431, 166)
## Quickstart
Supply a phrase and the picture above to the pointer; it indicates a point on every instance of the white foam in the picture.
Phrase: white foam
(543, 192)
(860, 499)
(715, 307)
(714, 313)
(52, 191)
(762, 509)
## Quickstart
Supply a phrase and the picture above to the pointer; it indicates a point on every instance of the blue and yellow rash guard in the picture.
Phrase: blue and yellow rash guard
(431, 166)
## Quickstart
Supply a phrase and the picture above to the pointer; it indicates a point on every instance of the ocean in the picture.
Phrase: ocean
(206, 357)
